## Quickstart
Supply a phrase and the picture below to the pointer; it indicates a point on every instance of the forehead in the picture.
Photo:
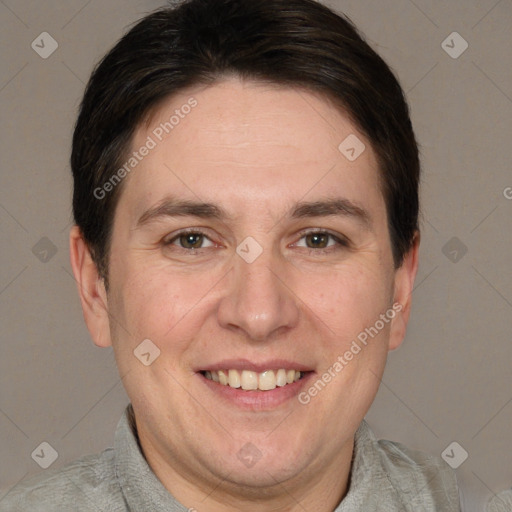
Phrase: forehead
(251, 142)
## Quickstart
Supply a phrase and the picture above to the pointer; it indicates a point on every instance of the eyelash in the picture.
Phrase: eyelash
(342, 243)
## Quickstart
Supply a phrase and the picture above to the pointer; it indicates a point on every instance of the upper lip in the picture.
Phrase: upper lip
(258, 367)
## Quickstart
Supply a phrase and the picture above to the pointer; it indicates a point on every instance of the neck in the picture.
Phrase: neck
(320, 487)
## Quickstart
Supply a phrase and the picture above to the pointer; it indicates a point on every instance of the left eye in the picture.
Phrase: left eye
(319, 239)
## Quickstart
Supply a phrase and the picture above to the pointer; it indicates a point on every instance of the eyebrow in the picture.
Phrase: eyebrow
(173, 207)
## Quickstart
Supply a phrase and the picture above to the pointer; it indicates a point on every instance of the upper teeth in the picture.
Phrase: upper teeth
(249, 380)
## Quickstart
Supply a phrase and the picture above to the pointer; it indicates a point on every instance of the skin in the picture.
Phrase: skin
(255, 149)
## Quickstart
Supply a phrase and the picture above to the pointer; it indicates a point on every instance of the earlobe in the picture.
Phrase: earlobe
(91, 289)
(404, 284)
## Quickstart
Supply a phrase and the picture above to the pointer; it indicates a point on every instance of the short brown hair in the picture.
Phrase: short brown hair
(299, 43)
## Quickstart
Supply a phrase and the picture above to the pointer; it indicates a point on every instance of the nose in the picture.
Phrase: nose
(259, 301)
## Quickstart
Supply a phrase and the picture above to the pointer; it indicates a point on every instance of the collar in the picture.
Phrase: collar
(141, 488)
(385, 476)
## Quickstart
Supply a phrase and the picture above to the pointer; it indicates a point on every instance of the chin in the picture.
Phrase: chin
(260, 464)
(266, 476)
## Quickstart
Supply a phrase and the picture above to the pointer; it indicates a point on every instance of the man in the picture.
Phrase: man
(246, 206)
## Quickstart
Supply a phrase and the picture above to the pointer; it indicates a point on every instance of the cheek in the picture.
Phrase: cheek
(158, 303)
(350, 299)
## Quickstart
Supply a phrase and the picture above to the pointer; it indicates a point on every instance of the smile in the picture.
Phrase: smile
(251, 380)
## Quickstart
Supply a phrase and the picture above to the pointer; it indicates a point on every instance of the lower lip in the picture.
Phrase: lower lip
(257, 400)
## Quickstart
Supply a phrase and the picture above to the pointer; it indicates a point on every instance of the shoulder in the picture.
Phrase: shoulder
(87, 484)
(419, 476)
(501, 502)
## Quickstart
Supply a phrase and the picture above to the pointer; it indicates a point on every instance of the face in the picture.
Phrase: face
(282, 263)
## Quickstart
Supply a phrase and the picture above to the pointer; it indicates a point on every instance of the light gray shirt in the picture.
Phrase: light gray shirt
(385, 477)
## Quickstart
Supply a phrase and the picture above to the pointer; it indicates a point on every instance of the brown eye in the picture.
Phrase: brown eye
(191, 240)
(322, 242)
(318, 240)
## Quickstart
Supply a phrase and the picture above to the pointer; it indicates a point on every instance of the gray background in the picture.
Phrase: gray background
(450, 381)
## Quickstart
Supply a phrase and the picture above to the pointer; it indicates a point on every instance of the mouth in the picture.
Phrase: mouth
(248, 380)
(251, 386)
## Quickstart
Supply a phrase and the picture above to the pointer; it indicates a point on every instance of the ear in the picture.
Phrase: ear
(91, 288)
(404, 283)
